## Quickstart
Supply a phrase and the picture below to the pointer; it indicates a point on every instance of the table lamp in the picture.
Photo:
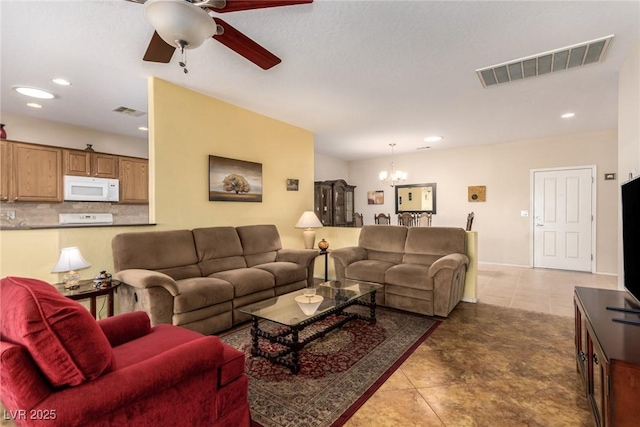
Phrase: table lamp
(70, 261)
(309, 221)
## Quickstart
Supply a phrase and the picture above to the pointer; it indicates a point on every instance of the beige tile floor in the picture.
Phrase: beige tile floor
(503, 362)
(544, 291)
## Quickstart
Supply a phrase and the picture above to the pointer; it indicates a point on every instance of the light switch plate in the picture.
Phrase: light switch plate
(524, 213)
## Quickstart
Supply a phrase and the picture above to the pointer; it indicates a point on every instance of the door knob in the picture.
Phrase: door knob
(539, 225)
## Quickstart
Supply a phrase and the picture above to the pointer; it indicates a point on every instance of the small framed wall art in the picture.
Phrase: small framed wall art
(478, 193)
(292, 184)
(375, 197)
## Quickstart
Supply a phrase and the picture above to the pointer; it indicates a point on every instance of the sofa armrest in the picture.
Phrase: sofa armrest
(451, 261)
(22, 383)
(448, 275)
(125, 327)
(139, 278)
(342, 257)
(349, 255)
(298, 256)
(121, 389)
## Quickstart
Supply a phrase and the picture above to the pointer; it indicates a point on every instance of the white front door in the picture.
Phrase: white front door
(562, 219)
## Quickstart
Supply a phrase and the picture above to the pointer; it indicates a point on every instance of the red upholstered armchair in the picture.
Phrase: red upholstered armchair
(59, 367)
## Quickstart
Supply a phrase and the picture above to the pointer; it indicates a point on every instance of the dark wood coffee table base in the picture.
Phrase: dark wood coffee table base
(289, 338)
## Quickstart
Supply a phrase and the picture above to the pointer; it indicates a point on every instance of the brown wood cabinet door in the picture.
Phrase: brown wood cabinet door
(597, 391)
(581, 343)
(84, 163)
(5, 172)
(76, 163)
(104, 165)
(134, 180)
(37, 173)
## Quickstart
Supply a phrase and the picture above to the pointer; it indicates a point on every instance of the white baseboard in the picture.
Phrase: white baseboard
(471, 300)
(503, 264)
(606, 274)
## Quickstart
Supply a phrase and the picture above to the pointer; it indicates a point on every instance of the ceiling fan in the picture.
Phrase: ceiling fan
(186, 24)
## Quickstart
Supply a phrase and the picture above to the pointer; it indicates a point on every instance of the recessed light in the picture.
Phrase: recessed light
(61, 82)
(568, 115)
(34, 105)
(143, 128)
(433, 138)
(33, 92)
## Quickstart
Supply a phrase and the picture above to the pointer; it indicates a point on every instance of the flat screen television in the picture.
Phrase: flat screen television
(631, 236)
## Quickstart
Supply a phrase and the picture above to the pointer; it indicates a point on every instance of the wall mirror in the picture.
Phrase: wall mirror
(416, 198)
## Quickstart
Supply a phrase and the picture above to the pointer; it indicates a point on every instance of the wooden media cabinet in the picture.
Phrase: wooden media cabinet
(608, 355)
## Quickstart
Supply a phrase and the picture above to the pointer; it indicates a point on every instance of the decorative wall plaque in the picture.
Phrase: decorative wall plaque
(477, 193)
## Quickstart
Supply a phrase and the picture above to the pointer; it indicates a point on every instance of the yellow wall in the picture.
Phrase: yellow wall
(185, 133)
(185, 128)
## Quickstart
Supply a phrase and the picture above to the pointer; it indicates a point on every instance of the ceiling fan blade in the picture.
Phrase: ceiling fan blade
(244, 46)
(236, 5)
(158, 50)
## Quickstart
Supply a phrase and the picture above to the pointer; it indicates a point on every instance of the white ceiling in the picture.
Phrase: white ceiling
(359, 74)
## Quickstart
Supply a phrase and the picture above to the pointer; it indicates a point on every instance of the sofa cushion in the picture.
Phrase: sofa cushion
(170, 252)
(218, 249)
(383, 243)
(60, 334)
(368, 270)
(425, 245)
(199, 292)
(409, 276)
(246, 281)
(161, 338)
(259, 243)
(285, 272)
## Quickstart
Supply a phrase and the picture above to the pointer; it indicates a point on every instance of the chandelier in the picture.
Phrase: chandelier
(393, 177)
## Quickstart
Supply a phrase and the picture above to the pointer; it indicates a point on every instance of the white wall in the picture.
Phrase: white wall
(503, 235)
(45, 132)
(329, 168)
(628, 129)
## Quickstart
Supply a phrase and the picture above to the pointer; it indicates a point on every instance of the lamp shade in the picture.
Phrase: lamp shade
(180, 20)
(309, 220)
(70, 260)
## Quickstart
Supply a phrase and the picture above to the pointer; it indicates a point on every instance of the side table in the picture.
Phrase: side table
(87, 290)
(326, 263)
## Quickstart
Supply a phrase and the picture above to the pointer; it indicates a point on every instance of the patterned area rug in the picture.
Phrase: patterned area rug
(338, 373)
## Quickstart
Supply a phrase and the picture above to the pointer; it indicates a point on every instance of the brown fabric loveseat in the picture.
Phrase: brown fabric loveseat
(200, 278)
(422, 268)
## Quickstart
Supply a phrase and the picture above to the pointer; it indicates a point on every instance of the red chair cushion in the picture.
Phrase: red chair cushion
(60, 334)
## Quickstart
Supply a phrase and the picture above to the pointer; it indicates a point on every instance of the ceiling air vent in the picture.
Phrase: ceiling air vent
(129, 111)
(561, 59)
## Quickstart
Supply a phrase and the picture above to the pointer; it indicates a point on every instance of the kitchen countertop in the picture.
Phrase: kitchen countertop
(58, 226)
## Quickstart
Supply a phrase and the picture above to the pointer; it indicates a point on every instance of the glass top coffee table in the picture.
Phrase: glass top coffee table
(299, 309)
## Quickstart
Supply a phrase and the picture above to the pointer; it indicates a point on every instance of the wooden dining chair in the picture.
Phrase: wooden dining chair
(469, 221)
(357, 219)
(424, 219)
(382, 218)
(407, 219)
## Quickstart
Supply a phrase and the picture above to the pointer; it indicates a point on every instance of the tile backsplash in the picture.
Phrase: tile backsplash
(46, 214)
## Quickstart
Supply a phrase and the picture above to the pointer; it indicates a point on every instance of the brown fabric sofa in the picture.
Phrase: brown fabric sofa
(200, 278)
(422, 268)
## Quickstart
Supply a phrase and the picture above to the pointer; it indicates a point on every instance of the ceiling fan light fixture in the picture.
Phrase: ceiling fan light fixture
(179, 22)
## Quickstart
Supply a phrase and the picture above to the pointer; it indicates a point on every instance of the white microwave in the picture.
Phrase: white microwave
(86, 189)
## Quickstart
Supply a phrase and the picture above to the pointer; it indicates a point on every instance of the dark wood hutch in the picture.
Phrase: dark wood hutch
(334, 203)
